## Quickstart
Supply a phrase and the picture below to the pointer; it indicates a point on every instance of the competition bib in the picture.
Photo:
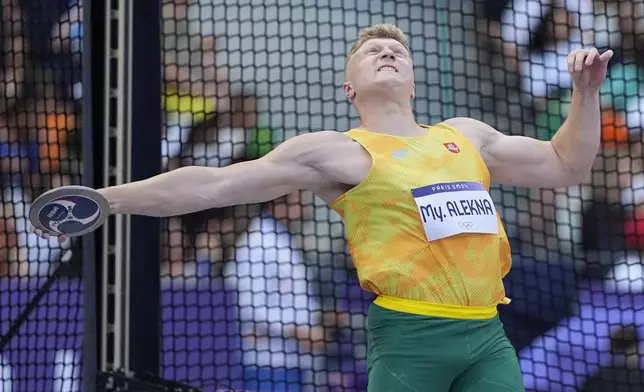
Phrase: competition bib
(454, 208)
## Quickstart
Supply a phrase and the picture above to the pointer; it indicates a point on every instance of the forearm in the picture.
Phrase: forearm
(177, 192)
(577, 141)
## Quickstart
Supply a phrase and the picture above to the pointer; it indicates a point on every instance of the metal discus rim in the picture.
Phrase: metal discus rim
(70, 190)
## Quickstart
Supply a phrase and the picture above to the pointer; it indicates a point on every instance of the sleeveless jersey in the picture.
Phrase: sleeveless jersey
(422, 226)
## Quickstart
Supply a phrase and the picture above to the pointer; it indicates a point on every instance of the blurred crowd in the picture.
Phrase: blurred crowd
(568, 242)
(40, 84)
(298, 301)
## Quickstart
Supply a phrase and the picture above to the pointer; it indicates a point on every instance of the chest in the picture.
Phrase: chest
(439, 181)
(414, 165)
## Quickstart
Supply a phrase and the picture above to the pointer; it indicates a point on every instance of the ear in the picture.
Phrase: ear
(413, 92)
(349, 91)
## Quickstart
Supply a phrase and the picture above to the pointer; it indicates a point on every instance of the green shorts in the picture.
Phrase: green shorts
(409, 352)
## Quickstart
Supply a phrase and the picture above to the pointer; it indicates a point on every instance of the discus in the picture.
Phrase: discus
(71, 211)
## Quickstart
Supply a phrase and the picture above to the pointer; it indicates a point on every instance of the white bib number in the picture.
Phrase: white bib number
(454, 208)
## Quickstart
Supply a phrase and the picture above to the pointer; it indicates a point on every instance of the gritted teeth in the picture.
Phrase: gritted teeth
(387, 68)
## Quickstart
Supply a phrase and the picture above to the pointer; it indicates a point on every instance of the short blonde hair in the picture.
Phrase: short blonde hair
(377, 31)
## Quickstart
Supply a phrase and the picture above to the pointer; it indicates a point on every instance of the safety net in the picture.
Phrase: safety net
(266, 297)
(40, 117)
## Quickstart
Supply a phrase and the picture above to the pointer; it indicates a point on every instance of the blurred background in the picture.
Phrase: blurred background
(265, 297)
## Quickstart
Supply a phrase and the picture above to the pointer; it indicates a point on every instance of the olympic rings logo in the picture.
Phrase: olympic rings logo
(465, 225)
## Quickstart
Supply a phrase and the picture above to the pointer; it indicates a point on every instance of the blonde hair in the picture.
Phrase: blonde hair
(377, 31)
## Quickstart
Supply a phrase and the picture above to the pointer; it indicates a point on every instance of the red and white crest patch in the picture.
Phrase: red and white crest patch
(452, 147)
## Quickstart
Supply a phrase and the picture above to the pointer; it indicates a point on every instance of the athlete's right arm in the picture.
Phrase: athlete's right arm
(293, 165)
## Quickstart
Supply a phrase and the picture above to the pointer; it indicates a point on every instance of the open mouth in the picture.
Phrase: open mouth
(387, 68)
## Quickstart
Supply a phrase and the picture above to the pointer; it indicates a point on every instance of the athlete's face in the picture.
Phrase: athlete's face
(380, 64)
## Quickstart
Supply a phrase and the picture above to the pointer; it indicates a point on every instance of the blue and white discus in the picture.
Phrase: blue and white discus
(70, 210)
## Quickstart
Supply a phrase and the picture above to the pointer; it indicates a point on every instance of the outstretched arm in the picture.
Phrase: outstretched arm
(565, 160)
(288, 168)
(522, 161)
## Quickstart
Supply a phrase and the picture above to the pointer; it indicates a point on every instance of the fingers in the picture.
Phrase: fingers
(576, 61)
(591, 56)
(41, 233)
(606, 56)
(581, 60)
(45, 235)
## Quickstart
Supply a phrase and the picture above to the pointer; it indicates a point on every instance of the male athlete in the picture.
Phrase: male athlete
(422, 227)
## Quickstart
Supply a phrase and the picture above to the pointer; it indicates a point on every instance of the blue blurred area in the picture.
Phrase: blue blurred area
(29, 152)
(201, 337)
(202, 341)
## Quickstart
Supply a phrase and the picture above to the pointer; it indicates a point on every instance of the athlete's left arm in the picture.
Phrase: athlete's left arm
(565, 160)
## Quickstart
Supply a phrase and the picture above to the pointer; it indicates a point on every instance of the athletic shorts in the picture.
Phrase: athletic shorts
(409, 352)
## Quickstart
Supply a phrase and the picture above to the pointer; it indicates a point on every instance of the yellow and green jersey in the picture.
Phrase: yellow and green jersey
(422, 227)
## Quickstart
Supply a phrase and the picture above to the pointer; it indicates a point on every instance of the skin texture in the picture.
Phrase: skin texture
(328, 163)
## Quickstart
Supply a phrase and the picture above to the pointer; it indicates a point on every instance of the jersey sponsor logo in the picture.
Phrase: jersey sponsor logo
(452, 147)
(455, 208)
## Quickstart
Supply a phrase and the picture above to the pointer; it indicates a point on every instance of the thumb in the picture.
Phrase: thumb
(606, 56)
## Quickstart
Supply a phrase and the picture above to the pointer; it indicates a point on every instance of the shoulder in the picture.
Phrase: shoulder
(466, 123)
(320, 140)
(478, 132)
(321, 136)
(313, 146)
(336, 158)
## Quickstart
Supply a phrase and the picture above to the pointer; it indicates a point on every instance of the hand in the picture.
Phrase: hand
(588, 68)
(41, 234)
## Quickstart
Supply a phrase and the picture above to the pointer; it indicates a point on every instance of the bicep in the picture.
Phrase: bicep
(280, 172)
(523, 161)
(515, 160)
(258, 181)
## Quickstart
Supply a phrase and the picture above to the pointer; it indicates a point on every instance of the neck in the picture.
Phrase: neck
(387, 116)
